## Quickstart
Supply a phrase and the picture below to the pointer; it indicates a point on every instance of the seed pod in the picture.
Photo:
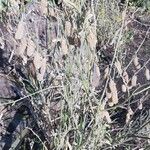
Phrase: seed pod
(106, 71)
(126, 77)
(124, 89)
(108, 95)
(113, 89)
(147, 74)
(140, 105)
(134, 81)
(118, 66)
(136, 62)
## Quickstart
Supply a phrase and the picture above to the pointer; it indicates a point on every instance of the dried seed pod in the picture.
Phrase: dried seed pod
(113, 89)
(118, 66)
(147, 74)
(106, 72)
(134, 81)
(126, 77)
(129, 114)
(110, 103)
(140, 105)
(105, 114)
(108, 95)
(124, 89)
(136, 62)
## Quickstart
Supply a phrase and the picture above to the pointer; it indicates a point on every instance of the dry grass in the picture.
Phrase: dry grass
(74, 68)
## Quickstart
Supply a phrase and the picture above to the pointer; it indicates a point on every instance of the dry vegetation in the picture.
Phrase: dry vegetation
(74, 75)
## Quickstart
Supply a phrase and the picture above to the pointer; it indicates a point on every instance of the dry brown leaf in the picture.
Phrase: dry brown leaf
(106, 73)
(92, 39)
(95, 76)
(136, 62)
(147, 74)
(126, 77)
(30, 48)
(64, 46)
(124, 89)
(134, 81)
(20, 33)
(118, 66)
(113, 89)
(43, 5)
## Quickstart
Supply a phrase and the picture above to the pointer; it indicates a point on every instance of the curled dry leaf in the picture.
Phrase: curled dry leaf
(113, 89)
(20, 33)
(147, 74)
(30, 48)
(134, 81)
(118, 66)
(126, 77)
(136, 62)
(64, 46)
(106, 72)
(124, 89)
(95, 76)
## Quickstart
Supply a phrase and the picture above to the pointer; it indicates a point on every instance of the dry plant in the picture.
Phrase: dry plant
(70, 59)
